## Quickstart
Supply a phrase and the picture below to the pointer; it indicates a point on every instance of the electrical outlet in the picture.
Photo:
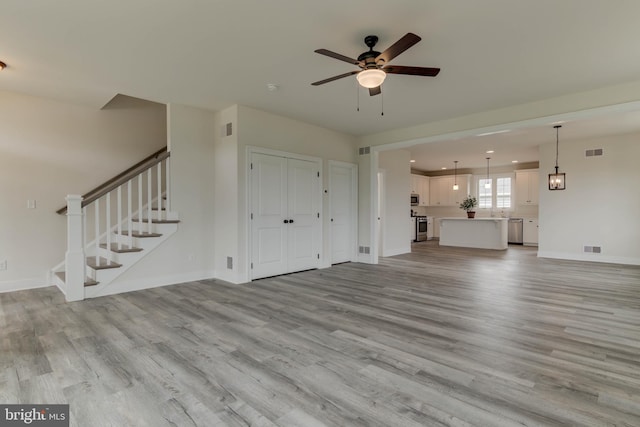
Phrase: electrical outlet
(3, 265)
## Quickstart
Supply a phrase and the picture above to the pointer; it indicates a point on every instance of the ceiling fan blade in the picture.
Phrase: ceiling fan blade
(330, 79)
(373, 91)
(337, 56)
(413, 71)
(398, 47)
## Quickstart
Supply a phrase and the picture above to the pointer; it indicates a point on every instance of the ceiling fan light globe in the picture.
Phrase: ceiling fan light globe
(371, 78)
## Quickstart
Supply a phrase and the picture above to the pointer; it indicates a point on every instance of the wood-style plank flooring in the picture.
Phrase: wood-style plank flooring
(442, 336)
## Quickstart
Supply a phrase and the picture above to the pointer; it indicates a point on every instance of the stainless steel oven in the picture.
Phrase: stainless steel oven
(421, 228)
(415, 199)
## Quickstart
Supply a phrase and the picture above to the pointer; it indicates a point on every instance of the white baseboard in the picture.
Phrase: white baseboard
(396, 251)
(118, 287)
(23, 284)
(589, 257)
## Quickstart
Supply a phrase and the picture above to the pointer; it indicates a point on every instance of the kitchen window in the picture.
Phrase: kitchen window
(499, 195)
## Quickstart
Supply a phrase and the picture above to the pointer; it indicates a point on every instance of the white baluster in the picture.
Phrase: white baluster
(167, 187)
(149, 198)
(108, 217)
(129, 213)
(159, 192)
(119, 223)
(140, 202)
(97, 235)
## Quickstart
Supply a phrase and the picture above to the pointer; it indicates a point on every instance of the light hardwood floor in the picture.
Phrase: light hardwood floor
(442, 336)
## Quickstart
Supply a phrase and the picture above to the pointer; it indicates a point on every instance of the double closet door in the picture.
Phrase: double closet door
(285, 215)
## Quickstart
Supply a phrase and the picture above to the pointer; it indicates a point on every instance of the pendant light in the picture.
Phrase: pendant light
(487, 184)
(557, 180)
(455, 176)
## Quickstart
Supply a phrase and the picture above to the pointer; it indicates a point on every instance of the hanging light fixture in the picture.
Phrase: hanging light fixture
(455, 175)
(370, 78)
(557, 180)
(487, 184)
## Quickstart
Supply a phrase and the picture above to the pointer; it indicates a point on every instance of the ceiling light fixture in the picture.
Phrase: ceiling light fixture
(2, 65)
(557, 180)
(487, 183)
(412, 161)
(371, 78)
(490, 151)
(514, 161)
(455, 176)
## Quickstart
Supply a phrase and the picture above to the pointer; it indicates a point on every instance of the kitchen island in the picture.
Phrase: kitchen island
(484, 233)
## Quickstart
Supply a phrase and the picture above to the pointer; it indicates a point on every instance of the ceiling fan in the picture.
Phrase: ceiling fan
(375, 65)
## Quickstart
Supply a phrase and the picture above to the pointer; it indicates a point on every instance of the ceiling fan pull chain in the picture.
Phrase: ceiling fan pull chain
(358, 95)
(382, 101)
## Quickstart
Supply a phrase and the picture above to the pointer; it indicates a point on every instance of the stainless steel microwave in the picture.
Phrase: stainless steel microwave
(415, 199)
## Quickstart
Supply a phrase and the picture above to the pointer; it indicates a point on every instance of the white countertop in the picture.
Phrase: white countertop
(461, 218)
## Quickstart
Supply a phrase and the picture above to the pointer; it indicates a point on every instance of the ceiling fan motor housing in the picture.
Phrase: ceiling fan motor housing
(369, 57)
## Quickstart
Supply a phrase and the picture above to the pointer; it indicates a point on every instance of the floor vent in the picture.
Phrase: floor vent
(594, 152)
(593, 249)
(363, 249)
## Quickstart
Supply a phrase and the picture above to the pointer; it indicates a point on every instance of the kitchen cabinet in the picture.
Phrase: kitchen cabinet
(414, 231)
(530, 232)
(527, 187)
(441, 190)
(420, 186)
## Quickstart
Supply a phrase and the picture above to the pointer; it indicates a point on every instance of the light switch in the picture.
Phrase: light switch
(31, 204)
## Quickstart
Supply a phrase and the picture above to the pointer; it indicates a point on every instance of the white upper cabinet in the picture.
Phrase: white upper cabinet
(420, 186)
(441, 190)
(527, 187)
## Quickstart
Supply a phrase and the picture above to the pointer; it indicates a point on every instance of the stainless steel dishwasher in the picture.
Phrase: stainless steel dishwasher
(515, 231)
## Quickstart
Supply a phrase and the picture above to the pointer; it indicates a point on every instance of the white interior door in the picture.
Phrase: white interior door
(269, 209)
(303, 215)
(342, 199)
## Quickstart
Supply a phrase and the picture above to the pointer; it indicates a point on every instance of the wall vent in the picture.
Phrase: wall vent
(594, 152)
(363, 249)
(230, 263)
(364, 150)
(228, 129)
(593, 249)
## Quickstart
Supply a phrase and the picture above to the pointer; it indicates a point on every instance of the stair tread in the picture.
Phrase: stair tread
(102, 263)
(87, 282)
(158, 221)
(123, 248)
(142, 234)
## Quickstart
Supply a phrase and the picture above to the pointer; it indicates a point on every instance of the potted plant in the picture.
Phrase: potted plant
(468, 204)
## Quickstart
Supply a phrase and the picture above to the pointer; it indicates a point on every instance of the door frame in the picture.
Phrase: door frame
(354, 209)
(250, 150)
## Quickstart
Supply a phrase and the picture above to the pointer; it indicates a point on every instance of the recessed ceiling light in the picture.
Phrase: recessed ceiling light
(514, 161)
(490, 151)
(2, 65)
(272, 87)
(412, 161)
(443, 168)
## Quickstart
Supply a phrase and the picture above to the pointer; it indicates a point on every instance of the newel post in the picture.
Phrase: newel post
(75, 262)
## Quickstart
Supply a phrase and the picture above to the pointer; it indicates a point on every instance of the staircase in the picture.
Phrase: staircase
(114, 226)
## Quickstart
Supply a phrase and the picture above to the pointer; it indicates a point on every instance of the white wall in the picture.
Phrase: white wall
(397, 209)
(189, 253)
(261, 129)
(49, 149)
(600, 204)
(225, 190)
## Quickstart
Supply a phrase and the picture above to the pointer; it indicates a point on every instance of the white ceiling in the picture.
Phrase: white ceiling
(213, 54)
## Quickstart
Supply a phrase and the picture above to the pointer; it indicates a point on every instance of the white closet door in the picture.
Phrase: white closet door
(269, 209)
(303, 209)
(342, 200)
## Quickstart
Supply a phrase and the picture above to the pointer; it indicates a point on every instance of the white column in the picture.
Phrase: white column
(75, 262)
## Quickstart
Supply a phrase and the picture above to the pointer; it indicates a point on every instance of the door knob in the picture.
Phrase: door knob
(290, 221)
(286, 221)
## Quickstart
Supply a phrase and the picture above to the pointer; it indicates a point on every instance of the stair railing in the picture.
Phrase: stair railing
(134, 191)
